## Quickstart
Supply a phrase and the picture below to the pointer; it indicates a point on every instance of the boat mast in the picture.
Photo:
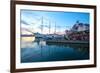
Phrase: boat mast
(55, 28)
(42, 24)
(49, 26)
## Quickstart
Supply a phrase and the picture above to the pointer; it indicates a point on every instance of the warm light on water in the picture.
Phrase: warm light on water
(28, 39)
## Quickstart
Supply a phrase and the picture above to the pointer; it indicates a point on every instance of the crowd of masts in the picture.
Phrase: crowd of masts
(49, 26)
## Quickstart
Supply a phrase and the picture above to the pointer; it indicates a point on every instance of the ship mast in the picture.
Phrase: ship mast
(42, 24)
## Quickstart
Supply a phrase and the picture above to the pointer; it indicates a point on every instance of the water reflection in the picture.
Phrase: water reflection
(77, 47)
(41, 51)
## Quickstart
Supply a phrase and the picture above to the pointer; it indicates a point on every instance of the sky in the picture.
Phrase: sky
(33, 20)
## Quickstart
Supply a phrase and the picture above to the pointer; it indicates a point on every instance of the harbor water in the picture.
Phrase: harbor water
(41, 51)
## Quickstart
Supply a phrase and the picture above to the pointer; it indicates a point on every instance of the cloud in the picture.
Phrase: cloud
(24, 22)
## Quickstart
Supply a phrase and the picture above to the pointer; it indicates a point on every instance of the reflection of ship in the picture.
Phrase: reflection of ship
(77, 47)
(42, 43)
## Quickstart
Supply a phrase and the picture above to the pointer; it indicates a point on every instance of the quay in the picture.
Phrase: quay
(67, 41)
